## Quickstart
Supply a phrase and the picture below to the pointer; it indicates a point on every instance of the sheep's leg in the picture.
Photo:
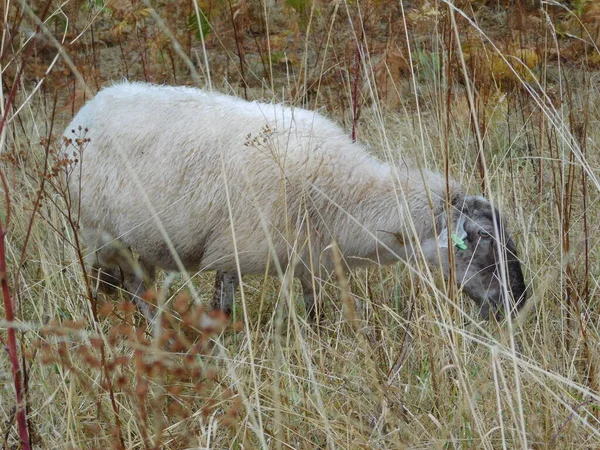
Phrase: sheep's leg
(136, 278)
(105, 272)
(311, 306)
(115, 266)
(106, 278)
(225, 285)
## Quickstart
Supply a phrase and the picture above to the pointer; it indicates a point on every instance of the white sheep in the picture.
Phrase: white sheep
(190, 179)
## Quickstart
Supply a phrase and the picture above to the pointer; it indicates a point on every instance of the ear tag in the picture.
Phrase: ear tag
(459, 242)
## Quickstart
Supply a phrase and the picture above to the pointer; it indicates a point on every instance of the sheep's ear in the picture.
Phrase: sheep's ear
(460, 227)
(443, 238)
(461, 233)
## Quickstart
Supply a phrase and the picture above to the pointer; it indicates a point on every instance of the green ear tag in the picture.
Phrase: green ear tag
(459, 242)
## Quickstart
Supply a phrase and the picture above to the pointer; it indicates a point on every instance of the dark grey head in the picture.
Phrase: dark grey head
(477, 260)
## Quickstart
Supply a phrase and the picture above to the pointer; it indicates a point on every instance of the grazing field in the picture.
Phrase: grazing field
(503, 96)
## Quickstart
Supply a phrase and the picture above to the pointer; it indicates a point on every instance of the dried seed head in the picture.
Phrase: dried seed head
(165, 338)
(175, 409)
(47, 358)
(62, 350)
(208, 408)
(200, 388)
(113, 334)
(150, 296)
(181, 303)
(174, 390)
(122, 360)
(179, 344)
(189, 361)
(28, 353)
(92, 361)
(106, 309)
(141, 390)
(96, 342)
(211, 373)
(110, 365)
(126, 330)
(121, 381)
(228, 422)
(126, 307)
(238, 326)
(93, 428)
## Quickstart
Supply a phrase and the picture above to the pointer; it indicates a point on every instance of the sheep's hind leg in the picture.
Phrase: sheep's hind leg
(225, 285)
(311, 306)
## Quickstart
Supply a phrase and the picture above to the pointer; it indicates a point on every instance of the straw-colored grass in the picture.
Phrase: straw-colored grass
(395, 363)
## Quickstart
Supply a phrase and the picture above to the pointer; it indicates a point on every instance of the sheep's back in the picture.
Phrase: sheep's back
(174, 151)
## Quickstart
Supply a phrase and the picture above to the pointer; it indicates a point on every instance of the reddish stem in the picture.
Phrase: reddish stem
(8, 301)
(357, 58)
(12, 338)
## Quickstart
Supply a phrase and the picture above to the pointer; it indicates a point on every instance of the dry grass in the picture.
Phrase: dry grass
(396, 363)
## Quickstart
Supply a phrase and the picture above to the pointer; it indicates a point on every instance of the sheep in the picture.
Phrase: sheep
(198, 180)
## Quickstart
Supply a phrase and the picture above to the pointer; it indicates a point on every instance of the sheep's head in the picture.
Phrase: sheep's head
(478, 258)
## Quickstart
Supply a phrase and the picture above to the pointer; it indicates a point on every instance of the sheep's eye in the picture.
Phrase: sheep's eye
(484, 234)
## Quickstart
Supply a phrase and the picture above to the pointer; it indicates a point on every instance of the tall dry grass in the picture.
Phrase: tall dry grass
(502, 97)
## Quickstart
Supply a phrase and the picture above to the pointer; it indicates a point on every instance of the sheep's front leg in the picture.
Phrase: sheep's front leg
(106, 278)
(104, 261)
(136, 277)
(311, 306)
(114, 266)
(225, 285)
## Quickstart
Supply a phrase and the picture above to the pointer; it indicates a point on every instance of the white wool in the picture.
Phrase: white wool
(295, 179)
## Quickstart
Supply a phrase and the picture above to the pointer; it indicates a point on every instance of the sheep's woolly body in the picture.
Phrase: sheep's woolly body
(293, 177)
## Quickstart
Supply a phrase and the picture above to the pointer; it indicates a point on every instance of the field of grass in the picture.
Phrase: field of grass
(505, 96)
